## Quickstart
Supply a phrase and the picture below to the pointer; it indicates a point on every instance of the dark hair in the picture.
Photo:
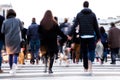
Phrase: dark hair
(112, 24)
(102, 30)
(33, 20)
(65, 20)
(56, 18)
(86, 4)
(11, 13)
(48, 20)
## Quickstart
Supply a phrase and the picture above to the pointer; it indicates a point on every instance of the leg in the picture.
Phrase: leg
(91, 52)
(46, 62)
(11, 60)
(1, 45)
(32, 52)
(37, 46)
(51, 63)
(84, 53)
(77, 52)
(15, 58)
(113, 56)
(73, 55)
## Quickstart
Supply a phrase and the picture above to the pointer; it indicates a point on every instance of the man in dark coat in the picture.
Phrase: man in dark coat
(114, 42)
(88, 26)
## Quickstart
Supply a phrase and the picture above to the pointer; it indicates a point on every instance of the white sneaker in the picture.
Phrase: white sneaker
(15, 66)
(12, 72)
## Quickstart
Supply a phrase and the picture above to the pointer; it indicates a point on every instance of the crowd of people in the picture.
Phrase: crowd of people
(76, 41)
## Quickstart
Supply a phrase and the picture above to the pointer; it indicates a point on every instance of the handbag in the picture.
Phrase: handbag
(99, 49)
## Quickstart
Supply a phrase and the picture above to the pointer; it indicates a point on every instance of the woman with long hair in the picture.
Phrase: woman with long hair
(49, 30)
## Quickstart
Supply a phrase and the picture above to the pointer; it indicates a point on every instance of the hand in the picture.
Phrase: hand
(98, 41)
(69, 37)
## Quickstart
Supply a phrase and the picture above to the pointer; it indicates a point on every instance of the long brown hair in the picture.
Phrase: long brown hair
(48, 20)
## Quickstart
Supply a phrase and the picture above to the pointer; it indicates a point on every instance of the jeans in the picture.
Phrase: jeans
(114, 53)
(34, 46)
(1, 46)
(12, 59)
(88, 50)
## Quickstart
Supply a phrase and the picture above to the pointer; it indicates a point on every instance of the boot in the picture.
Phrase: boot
(46, 61)
(50, 71)
(50, 66)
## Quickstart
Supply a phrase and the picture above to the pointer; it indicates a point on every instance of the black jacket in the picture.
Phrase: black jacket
(49, 38)
(1, 34)
(87, 22)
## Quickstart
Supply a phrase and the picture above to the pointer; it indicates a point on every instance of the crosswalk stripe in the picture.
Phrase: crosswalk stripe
(33, 71)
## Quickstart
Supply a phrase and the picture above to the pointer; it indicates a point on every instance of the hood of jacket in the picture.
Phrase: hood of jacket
(86, 11)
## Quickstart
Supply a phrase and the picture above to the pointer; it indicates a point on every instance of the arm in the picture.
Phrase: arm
(61, 34)
(96, 28)
(74, 26)
(3, 28)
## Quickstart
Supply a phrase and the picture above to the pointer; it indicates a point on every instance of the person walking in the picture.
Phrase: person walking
(24, 42)
(104, 40)
(88, 28)
(114, 42)
(34, 41)
(49, 30)
(1, 41)
(12, 27)
(65, 28)
(75, 46)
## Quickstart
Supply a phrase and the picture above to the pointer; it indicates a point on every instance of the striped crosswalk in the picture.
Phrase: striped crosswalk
(61, 72)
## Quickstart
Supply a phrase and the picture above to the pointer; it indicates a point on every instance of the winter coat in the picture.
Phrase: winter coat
(49, 38)
(32, 32)
(1, 21)
(87, 22)
(12, 29)
(114, 37)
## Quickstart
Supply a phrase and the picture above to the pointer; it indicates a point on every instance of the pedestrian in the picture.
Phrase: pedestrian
(65, 28)
(75, 46)
(114, 42)
(104, 40)
(34, 41)
(88, 28)
(24, 41)
(48, 31)
(12, 29)
(1, 41)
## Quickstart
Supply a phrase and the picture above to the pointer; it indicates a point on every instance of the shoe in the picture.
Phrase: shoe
(90, 73)
(15, 66)
(37, 61)
(85, 70)
(102, 62)
(113, 63)
(32, 62)
(12, 72)
(1, 71)
(50, 71)
(45, 71)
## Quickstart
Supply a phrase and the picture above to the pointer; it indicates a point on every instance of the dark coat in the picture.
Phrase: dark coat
(87, 22)
(1, 22)
(49, 38)
(114, 37)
